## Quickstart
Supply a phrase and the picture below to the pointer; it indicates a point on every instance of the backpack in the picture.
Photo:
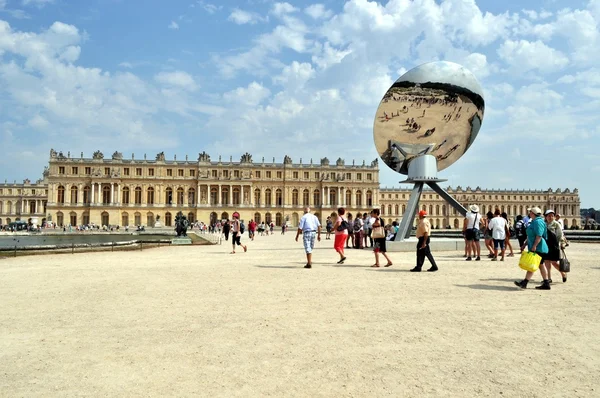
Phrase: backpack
(521, 229)
(552, 240)
(357, 224)
(242, 228)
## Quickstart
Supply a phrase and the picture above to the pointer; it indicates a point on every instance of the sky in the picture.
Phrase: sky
(298, 78)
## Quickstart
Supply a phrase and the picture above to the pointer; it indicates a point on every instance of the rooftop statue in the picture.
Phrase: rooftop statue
(98, 155)
(117, 156)
(160, 157)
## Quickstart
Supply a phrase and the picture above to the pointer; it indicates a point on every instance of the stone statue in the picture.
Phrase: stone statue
(46, 172)
(375, 163)
(181, 224)
(340, 162)
(246, 158)
(97, 172)
(324, 162)
(61, 156)
(287, 160)
(115, 172)
(26, 181)
(98, 155)
(117, 156)
(160, 157)
(53, 153)
(203, 157)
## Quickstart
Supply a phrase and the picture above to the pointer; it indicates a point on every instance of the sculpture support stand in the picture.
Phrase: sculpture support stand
(422, 170)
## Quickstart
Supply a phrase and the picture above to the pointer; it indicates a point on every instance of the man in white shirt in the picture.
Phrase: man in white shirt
(471, 232)
(499, 230)
(310, 227)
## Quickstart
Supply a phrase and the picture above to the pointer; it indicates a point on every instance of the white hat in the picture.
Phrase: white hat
(474, 208)
(549, 211)
(536, 210)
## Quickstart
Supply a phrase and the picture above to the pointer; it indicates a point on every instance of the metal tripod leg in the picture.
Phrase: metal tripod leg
(446, 196)
(409, 215)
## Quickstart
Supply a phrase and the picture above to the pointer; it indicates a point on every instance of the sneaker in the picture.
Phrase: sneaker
(415, 269)
(468, 259)
(544, 286)
(432, 269)
(478, 258)
(522, 284)
(308, 266)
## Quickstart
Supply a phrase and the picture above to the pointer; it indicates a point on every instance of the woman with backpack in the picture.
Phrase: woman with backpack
(341, 234)
(556, 242)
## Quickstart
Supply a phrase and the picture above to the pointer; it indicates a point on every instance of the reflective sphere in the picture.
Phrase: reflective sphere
(436, 109)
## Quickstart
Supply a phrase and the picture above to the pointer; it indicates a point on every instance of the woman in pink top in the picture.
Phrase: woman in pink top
(341, 234)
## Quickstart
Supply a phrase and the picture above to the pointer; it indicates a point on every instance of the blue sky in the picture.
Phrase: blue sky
(297, 78)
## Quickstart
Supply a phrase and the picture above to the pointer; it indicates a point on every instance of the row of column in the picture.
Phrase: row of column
(24, 207)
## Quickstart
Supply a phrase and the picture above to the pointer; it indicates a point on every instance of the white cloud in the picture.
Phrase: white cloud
(38, 122)
(208, 7)
(525, 56)
(295, 75)
(318, 11)
(173, 25)
(281, 9)
(176, 79)
(242, 17)
(37, 3)
(252, 95)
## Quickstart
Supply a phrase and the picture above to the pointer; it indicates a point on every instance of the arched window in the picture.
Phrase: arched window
(295, 219)
(257, 197)
(257, 217)
(305, 197)
(348, 202)
(369, 199)
(191, 218)
(124, 219)
(150, 199)
(268, 218)
(382, 210)
(86, 195)
(137, 218)
(104, 217)
(278, 219)
(168, 220)
(61, 195)
(443, 210)
(236, 196)
(317, 197)
(437, 211)
(179, 196)
(268, 199)
(169, 196)
(430, 209)
(403, 209)
(359, 201)
(278, 197)
(150, 219)
(332, 197)
(295, 197)
(214, 196)
(224, 215)
(59, 218)
(191, 196)
(396, 209)
(456, 223)
(73, 218)
(138, 198)
(74, 192)
(125, 196)
(106, 196)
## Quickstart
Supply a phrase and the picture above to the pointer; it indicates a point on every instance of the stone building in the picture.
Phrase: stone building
(514, 202)
(119, 191)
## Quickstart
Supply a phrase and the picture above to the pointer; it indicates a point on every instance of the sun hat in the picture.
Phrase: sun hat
(549, 211)
(474, 208)
(422, 213)
(536, 210)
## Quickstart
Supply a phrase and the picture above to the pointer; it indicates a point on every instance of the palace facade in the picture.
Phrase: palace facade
(150, 192)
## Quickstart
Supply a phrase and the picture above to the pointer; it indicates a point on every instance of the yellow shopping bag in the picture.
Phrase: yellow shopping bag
(530, 261)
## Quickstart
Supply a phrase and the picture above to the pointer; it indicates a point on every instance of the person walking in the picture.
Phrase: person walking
(499, 231)
(236, 234)
(379, 243)
(329, 226)
(536, 243)
(423, 250)
(310, 227)
(341, 234)
(226, 229)
(556, 243)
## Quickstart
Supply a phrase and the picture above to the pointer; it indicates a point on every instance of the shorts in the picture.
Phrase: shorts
(472, 235)
(235, 239)
(499, 242)
(308, 238)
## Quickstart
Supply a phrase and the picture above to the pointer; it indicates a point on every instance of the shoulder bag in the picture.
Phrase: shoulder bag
(564, 264)
(378, 232)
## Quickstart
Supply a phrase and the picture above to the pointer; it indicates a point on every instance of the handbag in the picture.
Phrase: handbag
(378, 233)
(564, 265)
(530, 261)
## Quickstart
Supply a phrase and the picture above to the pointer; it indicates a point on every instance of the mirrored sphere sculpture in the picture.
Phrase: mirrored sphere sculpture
(434, 109)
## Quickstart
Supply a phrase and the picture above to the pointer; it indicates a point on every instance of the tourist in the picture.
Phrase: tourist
(340, 228)
(499, 228)
(508, 235)
(423, 250)
(358, 231)
(536, 244)
(350, 231)
(556, 243)
(226, 229)
(521, 232)
(310, 227)
(487, 234)
(367, 230)
(329, 226)
(471, 233)
(251, 229)
(236, 234)
(379, 244)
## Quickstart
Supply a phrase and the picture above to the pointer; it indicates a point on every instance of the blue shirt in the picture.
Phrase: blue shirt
(537, 227)
(309, 222)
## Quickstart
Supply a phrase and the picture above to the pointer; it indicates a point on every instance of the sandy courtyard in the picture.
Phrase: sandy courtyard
(197, 321)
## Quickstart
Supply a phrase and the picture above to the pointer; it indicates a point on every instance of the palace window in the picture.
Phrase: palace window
(295, 197)
(61, 194)
(279, 174)
(359, 176)
(317, 197)
(73, 195)
(138, 171)
(179, 196)
(268, 174)
(348, 176)
(369, 198)
(125, 198)
(61, 170)
(74, 171)
(192, 173)
(295, 175)
(88, 171)
(268, 197)
(169, 196)
(214, 173)
(305, 197)
(107, 171)
(317, 175)
(169, 172)
(369, 176)
(138, 196)
(332, 176)
(226, 173)
(236, 173)
(151, 172)
(257, 174)
(180, 173)
(358, 198)
(278, 197)
(237, 199)
(125, 171)
(150, 196)
(306, 175)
